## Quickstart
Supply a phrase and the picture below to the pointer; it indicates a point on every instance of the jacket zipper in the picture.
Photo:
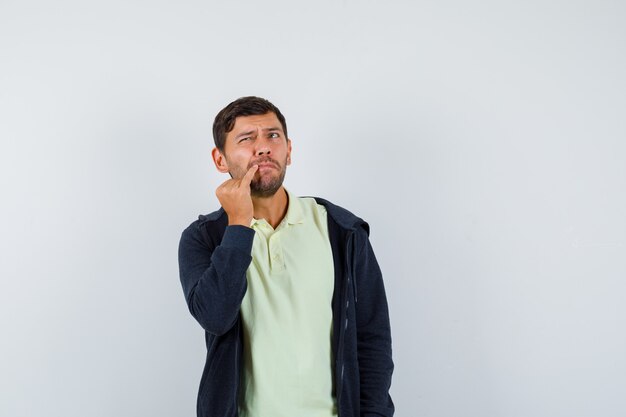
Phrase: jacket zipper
(349, 265)
(239, 370)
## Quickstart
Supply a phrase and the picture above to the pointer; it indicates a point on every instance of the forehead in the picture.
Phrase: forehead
(263, 121)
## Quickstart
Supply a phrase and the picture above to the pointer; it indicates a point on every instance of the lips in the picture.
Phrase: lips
(266, 164)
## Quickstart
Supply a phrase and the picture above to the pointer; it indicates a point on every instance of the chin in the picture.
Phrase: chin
(264, 193)
(265, 190)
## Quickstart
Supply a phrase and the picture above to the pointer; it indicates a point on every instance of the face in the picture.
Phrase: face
(256, 140)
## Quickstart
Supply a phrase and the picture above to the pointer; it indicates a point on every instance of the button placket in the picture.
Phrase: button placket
(277, 260)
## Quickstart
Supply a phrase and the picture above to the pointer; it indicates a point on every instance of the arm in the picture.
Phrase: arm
(373, 334)
(214, 279)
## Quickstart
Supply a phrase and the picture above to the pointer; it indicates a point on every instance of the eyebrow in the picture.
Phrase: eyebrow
(244, 134)
(268, 129)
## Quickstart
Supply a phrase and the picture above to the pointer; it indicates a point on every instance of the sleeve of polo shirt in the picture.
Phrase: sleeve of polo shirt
(214, 279)
(373, 334)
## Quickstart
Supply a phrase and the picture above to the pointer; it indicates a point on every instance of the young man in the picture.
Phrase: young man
(287, 288)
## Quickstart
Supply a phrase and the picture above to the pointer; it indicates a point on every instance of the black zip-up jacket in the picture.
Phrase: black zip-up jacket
(213, 259)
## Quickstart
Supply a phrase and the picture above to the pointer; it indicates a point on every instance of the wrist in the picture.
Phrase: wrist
(239, 222)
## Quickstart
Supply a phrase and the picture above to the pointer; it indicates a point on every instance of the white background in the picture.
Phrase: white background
(483, 141)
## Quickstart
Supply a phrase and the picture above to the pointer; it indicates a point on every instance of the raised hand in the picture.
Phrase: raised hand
(234, 196)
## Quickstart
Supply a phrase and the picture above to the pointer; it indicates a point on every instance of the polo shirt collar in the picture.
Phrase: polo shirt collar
(294, 213)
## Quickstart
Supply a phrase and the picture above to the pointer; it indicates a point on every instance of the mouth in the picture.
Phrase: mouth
(266, 165)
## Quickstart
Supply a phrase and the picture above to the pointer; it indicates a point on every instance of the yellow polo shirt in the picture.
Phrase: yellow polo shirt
(287, 317)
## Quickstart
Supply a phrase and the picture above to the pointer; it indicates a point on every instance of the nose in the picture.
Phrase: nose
(262, 147)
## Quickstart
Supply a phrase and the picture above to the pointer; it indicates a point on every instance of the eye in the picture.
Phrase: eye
(244, 139)
(274, 135)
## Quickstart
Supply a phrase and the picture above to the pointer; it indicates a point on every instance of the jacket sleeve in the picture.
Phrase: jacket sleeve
(373, 334)
(214, 279)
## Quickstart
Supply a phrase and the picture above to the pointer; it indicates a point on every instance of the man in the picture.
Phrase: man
(287, 289)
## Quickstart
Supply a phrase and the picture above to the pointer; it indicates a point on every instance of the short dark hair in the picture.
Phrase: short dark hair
(244, 106)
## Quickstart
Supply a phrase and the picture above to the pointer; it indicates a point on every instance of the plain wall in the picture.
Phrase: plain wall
(483, 141)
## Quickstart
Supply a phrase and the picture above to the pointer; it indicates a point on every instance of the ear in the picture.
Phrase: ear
(288, 151)
(220, 161)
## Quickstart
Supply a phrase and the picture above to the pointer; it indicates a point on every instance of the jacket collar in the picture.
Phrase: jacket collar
(344, 218)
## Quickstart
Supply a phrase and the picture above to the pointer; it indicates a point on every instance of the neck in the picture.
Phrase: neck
(272, 209)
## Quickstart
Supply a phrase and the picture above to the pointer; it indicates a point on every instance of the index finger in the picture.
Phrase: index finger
(247, 179)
